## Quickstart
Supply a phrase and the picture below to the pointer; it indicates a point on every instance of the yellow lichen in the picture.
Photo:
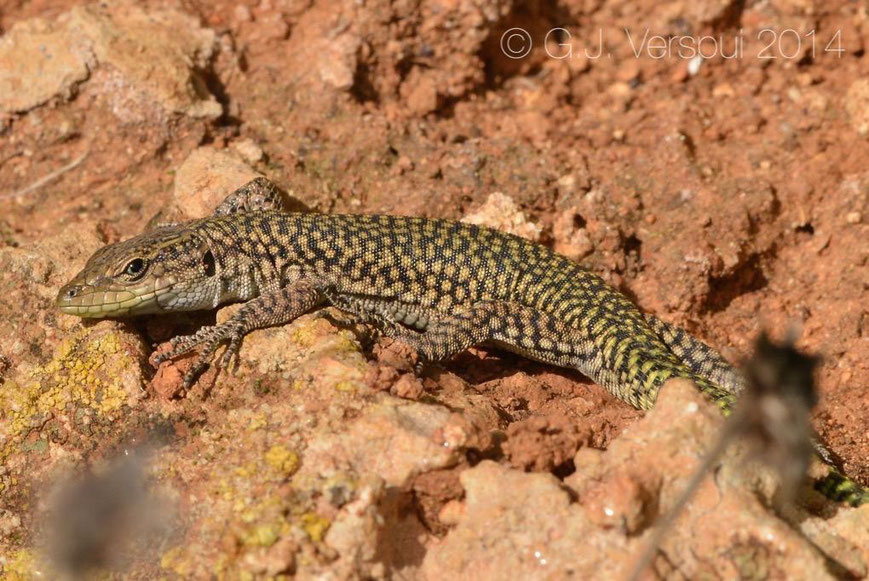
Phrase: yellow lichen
(257, 421)
(20, 566)
(347, 386)
(177, 561)
(86, 372)
(341, 480)
(309, 332)
(264, 535)
(282, 459)
(303, 334)
(315, 526)
(344, 342)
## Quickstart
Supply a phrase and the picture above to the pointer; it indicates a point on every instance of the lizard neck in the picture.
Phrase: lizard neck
(238, 274)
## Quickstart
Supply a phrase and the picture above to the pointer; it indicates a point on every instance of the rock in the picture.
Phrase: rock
(155, 52)
(249, 150)
(168, 380)
(414, 433)
(32, 275)
(571, 237)
(516, 525)
(408, 387)
(519, 525)
(420, 92)
(207, 176)
(323, 48)
(501, 213)
(541, 443)
(204, 179)
(281, 557)
(704, 12)
(857, 105)
(142, 58)
(38, 62)
(354, 532)
(94, 375)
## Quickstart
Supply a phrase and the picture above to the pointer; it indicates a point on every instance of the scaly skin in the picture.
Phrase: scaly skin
(437, 285)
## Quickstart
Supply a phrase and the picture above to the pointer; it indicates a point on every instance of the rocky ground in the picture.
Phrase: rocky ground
(723, 194)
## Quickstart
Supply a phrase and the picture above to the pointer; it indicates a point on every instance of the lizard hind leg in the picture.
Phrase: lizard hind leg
(510, 326)
(257, 195)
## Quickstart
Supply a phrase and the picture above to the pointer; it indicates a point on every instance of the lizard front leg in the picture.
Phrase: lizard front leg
(268, 310)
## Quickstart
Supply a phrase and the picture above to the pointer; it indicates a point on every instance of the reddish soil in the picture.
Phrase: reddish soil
(726, 195)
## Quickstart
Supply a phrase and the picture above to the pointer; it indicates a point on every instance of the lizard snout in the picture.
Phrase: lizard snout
(69, 297)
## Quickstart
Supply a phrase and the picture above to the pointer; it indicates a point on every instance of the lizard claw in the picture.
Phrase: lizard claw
(211, 337)
(420, 366)
(231, 353)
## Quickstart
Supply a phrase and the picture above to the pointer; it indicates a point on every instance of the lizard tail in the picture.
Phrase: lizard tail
(700, 358)
(839, 488)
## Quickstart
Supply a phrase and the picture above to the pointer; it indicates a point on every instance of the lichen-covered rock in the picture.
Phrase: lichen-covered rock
(56, 409)
(309, 472)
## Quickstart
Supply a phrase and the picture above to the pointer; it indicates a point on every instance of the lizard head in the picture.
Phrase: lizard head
(167, 269)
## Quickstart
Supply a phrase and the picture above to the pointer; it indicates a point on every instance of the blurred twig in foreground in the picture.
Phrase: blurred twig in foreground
(773, 415)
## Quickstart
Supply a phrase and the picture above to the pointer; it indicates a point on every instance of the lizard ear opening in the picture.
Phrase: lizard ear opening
(208, 263)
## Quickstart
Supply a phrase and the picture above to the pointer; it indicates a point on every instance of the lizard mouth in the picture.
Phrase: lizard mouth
(87, 302)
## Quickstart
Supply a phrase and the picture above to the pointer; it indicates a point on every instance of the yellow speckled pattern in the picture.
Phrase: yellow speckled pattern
(440, 286)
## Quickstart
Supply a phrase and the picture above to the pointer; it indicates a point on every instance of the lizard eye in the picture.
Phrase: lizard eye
(135, 268)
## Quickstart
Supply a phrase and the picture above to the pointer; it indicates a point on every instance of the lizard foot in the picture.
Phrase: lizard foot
(211, 337)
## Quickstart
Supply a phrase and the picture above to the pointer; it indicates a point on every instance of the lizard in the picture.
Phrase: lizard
(437, 285)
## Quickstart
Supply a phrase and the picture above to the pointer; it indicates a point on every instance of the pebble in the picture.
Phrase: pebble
(680, 73)
(628, 71)
(854, 218)
(620, 90)
(408, 386)
(723, 90)
(857, 105)
(248, 150)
